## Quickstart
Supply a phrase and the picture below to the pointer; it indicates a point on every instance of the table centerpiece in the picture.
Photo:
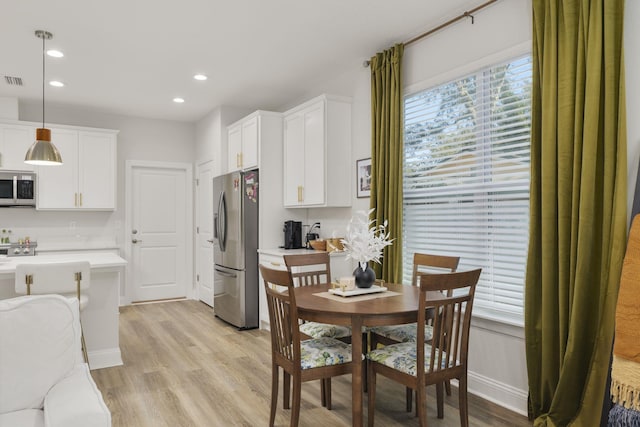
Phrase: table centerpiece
(364, 242)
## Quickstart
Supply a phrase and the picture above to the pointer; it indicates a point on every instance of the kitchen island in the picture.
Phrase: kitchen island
(101, 316)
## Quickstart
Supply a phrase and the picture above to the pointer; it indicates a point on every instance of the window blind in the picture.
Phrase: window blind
(466, 180)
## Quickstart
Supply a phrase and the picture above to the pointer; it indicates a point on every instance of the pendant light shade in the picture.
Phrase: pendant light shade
(43, 152)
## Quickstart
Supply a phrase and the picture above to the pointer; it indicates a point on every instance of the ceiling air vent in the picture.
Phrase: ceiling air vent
(13, 81)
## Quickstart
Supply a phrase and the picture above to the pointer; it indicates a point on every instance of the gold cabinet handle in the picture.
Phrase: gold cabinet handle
(80, 199)
(300, 193)
(237, 160)
(241, 159)
(75, 199)
(277, 264)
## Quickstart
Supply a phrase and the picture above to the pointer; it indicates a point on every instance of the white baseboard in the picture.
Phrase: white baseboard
(499, 393)
(99, 359)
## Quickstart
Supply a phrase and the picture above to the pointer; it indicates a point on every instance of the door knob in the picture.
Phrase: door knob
(135, 241)
(134, 231)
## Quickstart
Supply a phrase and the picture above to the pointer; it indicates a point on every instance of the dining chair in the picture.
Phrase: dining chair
(69, 279)
(418, 364)
(313, 269)
(393, 334)
(303, 360)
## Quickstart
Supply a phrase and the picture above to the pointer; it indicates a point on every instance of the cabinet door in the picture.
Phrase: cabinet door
(293, 160)
(57, 185)
(234, 148)
(314, 157)
(249, 155)
(276, 263)
(15, 140)
(96, 170)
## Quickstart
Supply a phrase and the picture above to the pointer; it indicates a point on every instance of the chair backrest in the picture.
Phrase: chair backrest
(309, 269)
(428, 263)
(39, 345)
(52, 278)
(450, 342)
(283, 315)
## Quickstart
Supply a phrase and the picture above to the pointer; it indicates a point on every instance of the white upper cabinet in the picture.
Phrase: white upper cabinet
(57, 185)
(317, 153)
(87, 178)
(97, 170)
(234, 150)
(243, 139)
(15, 140)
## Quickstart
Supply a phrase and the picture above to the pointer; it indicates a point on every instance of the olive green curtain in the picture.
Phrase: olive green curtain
(578, 206)
(387, 155)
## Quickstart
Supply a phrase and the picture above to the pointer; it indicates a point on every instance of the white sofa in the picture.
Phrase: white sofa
(43, 379)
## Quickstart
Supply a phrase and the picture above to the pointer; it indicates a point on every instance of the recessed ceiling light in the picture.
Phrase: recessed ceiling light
(200, 77)
(56, 83)
(55, 53)
(178, 100)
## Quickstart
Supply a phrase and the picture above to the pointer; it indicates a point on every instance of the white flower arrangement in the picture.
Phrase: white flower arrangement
(365, 240)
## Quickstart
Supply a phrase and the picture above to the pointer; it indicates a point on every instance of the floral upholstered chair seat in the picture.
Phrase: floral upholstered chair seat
(403, 333)
(321, 330)
(403, 357)
(325, 351)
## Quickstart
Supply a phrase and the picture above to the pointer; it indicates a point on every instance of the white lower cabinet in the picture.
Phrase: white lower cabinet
(87, 178)
(274, 258)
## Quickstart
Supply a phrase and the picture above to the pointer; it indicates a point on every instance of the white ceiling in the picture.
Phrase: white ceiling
(133, 57)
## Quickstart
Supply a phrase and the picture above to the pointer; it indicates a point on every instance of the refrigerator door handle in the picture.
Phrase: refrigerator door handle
(222, 222)
(225, 273)
(215, 225)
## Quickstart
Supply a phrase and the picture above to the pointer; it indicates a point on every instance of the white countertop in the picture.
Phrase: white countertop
(97, 260)
(282, 251)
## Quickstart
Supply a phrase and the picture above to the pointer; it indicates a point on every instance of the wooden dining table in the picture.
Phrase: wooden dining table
(391, 309)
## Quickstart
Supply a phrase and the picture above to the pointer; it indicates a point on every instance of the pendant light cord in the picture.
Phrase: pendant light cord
(43, 74)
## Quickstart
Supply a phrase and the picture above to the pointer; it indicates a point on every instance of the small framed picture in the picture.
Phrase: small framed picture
(363, 177)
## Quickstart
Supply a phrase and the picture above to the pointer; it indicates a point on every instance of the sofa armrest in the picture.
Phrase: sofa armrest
(76, 401)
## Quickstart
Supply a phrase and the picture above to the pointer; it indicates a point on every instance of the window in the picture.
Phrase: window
(466, 180)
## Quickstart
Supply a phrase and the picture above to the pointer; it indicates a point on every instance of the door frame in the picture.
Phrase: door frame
(209, 164)
(189, 228)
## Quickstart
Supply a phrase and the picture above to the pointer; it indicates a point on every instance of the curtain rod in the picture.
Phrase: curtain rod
(467, 14)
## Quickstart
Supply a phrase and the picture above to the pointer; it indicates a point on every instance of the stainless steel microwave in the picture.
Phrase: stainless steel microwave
(17, 188)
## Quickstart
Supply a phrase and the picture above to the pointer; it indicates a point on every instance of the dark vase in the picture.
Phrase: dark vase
(364, 278)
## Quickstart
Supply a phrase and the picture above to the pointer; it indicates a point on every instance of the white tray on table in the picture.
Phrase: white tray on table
(357, 291)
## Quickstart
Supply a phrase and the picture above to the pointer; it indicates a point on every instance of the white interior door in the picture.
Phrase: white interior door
(159, 212)
(204, 233)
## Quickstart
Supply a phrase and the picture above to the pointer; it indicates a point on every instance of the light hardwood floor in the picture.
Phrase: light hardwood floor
(184, 367)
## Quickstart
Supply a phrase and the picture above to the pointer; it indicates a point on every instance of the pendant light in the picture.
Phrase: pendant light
(43, 152)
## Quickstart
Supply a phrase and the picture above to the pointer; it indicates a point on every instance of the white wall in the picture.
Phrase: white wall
(632, 62)
(211, 136)
(208, 138)
(497, 353)
(139, 139)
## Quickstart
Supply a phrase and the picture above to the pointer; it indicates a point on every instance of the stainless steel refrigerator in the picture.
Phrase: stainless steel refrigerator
(235, 235)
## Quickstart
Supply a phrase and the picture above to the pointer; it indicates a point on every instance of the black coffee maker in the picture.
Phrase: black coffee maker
(292, 234)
